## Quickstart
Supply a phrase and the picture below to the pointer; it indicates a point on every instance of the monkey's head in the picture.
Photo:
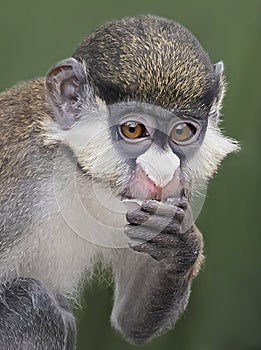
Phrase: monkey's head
(138, 103)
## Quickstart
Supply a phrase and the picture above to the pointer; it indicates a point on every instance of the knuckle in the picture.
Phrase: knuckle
(150, 205)
(180, 213)
(183, 203)
(130, 214)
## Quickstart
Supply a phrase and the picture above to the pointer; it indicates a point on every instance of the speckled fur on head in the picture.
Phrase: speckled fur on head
(63, 177)
(149, 59)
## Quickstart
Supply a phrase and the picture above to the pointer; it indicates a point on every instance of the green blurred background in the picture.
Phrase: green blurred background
(224, 312)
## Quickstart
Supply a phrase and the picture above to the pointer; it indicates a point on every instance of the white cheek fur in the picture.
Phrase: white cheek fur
(97, 156)
(215, 147)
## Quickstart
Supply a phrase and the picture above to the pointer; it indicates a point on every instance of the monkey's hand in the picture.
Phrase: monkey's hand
(153, 279)
(166, 232)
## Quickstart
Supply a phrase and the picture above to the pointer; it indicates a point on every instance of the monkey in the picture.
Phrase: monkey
(99, 162)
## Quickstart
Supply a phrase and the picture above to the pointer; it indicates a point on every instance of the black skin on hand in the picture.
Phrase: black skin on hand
(166, 232)
(155, 293)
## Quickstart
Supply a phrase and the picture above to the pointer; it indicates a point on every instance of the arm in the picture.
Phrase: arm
(153, 281)
(34, 318)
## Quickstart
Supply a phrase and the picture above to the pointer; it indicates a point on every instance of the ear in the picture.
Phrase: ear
(217, 103)
(66, 86)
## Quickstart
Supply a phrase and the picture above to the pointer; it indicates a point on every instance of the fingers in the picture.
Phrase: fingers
(152, 250)
(142, 234)
(163, 209)
(139, 234)
(161, 246)
(156, 222)
(137, 217)
(160, 216)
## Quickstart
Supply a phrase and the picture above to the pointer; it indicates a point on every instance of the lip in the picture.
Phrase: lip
(156, 196)
(142, 188)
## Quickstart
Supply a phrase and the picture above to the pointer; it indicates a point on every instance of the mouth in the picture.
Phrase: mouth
(144, 194)
(158, 194)
(141, 187)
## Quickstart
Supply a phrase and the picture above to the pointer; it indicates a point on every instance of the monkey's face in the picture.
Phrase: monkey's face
(141, 151)
(155, 145)
(140, 105)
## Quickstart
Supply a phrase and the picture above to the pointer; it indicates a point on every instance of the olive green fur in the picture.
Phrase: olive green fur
(150, 59)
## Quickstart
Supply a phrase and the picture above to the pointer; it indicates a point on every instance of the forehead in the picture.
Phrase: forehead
(122, 109)
(151, 60)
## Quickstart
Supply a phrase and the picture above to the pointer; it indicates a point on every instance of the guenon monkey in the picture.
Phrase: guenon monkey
(99, 161)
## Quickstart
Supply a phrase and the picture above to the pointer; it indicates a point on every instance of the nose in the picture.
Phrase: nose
(159, 165)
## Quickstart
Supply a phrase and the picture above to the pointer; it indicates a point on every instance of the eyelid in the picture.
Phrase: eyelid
(146, 120)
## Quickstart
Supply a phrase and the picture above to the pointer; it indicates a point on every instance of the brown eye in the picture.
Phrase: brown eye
(184, 133)
(133, 130)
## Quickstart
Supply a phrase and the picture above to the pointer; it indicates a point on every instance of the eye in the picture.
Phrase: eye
(184, 133)
(133, 130)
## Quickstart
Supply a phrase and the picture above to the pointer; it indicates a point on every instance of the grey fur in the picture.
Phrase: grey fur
(62, 176)
(33, 318)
